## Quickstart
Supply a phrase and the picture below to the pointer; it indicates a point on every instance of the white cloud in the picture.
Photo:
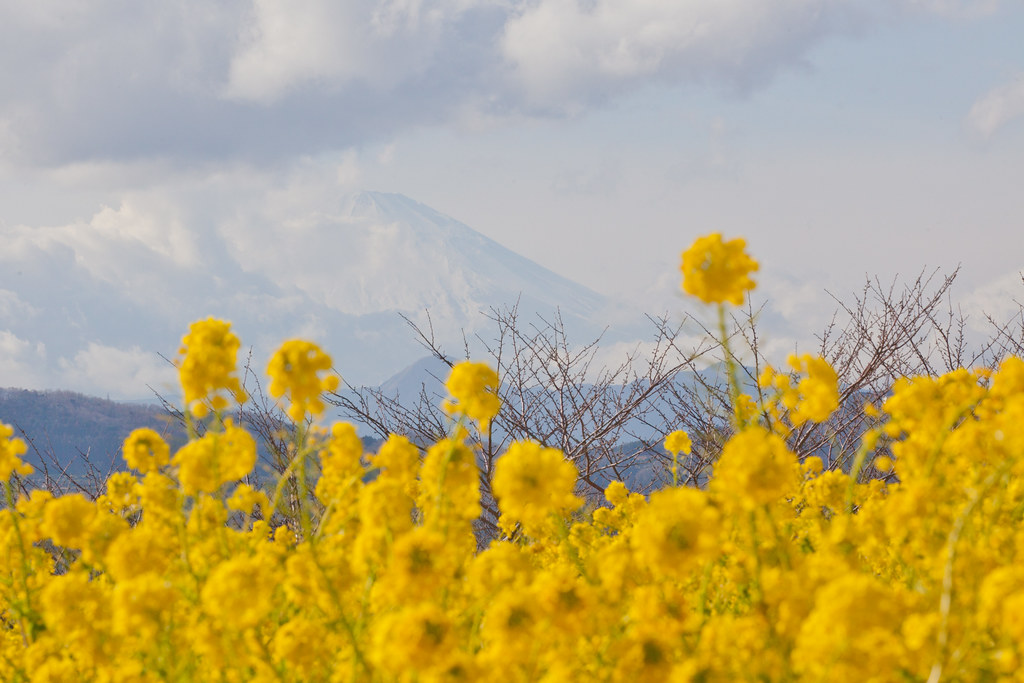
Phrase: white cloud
(137, 249)
(12, 306)
(956, 8)
(121, 373)
(166, 237)
(8, 139)
(565, 48)
(1001, 299)
(116, 245)
(20, 360)
(796, 301)
(185, 80)
(348, 170)
(379, 43)
(386, 154)
(997, 107)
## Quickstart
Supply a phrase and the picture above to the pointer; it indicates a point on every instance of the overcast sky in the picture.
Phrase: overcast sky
(596, 137)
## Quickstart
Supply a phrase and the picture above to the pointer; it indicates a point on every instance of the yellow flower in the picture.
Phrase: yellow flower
(240, 591)
(398, 463)
(450, 482)
(158, 495)
(143, 605)
(715, 271)
(67, 519)
(76, 610)
(397, 458)
(341, 473)
(678, 442)
(511, 620)
(145, 451)
(616, 493)
(215, 459)
(293, 370)
(413, 639)
(122, 491)
(755, 468)
(146, 549)
(301, 645)
(474, 387)
(206, 366)
(420, 564)
(862, 618)
(746, 409)
(532, 483)
(10, 450)
(817, 395)
(677, 531)
(246, 498)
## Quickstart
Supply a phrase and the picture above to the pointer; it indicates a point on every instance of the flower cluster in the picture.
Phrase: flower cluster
(294, 371)
(146, 451)
(716, 271)
(816, 395)
(206, 366)
(532, 484)
(473, 386)
(778, 570)
(11, 450)
(368, 567)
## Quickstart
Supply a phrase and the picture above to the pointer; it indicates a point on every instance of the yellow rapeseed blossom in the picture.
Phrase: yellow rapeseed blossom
(207, 366)
(159, 497)
(66, 520)
(414, 639)
(205, 464)
(817, 394)
(716, 272)
(301, 646)
(532, 483)
(473, 386)
(677, 532)
(122, 491)
(10, 451)
(449, 482)
(678, 442)
(398, 459)
(245, 499)
(143, 606)
(146, 451)
(341, 469)
(675, 443)
(148, 549)
(814, 398)
(240, 591)
(294, 371)
(755, 468)
(862, 617)
(396, 571)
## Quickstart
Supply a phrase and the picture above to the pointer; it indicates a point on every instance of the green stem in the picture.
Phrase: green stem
(730, 367)
(946, 599)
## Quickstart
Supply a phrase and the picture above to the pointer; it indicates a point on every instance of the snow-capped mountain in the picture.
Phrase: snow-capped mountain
(93, 306)
(386, 252)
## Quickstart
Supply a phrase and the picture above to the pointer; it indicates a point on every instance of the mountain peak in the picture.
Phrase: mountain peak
(386, 252)
(74, 319)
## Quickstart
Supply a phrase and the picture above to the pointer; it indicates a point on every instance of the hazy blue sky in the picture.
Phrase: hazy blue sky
(597, 137)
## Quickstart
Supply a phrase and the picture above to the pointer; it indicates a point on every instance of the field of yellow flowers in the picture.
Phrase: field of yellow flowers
(777, 571)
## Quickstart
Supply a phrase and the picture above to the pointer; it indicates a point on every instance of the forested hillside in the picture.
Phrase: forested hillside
(67, 431)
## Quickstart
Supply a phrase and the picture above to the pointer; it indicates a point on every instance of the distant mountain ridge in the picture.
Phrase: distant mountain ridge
(64, 428)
